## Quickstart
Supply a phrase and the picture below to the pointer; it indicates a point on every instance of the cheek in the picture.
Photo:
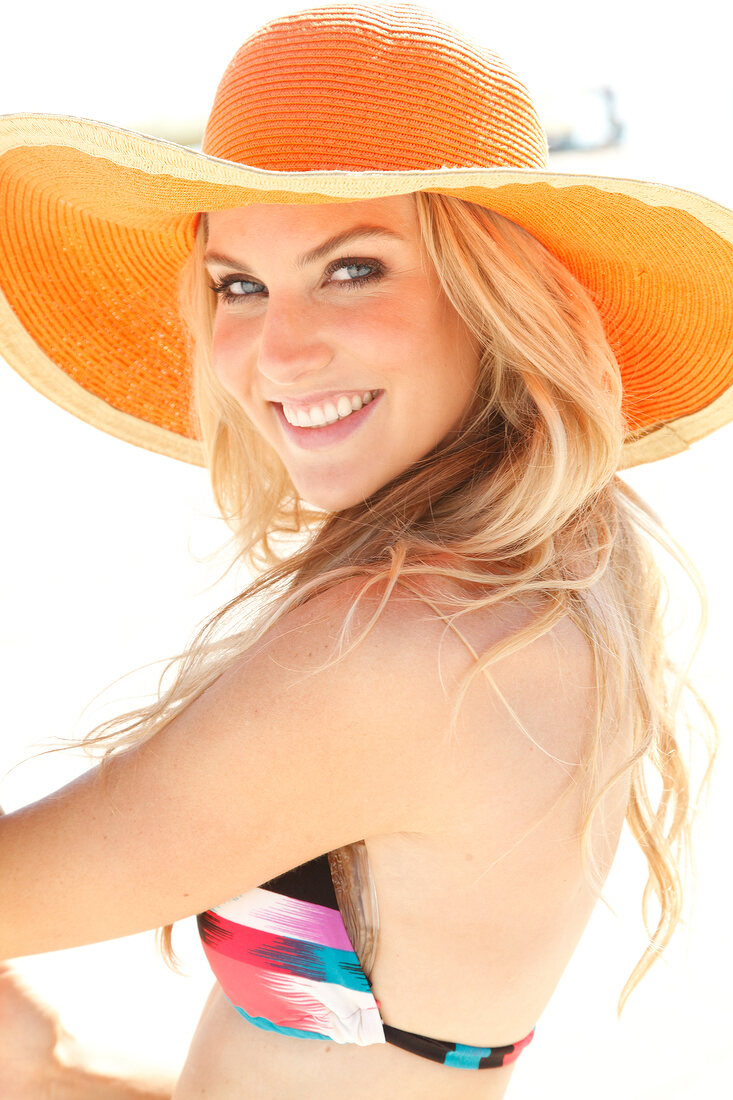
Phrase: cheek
(462, 350)
(395, 336)
(229, 354)
(377, 333)
(450, 357)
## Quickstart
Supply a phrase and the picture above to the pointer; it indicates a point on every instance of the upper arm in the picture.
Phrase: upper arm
(283, 759)
(277, 762)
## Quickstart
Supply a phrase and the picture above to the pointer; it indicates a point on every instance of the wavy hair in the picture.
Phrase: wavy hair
(523, 502)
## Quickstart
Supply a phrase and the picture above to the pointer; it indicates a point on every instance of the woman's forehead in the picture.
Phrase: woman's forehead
(308, 233)
(396, 212)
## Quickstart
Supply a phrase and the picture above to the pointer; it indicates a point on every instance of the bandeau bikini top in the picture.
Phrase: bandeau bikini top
(283, 958)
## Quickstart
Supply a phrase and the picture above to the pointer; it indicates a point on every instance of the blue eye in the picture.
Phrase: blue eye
(246, 290)
(226, 291)
(358, 271)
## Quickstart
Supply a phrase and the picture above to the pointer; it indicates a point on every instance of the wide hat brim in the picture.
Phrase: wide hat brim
(98, 222)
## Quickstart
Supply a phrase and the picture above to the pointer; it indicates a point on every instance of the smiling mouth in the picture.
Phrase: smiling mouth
(316, 435)
(323, 414)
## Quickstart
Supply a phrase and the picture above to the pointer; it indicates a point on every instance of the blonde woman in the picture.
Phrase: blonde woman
(390, 776)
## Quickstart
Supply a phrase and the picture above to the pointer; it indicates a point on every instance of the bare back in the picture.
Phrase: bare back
(481, 904)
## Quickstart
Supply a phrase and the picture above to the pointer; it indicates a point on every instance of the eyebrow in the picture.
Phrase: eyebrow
(318, 253)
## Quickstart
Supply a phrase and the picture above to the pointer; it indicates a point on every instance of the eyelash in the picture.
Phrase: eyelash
(224, 294)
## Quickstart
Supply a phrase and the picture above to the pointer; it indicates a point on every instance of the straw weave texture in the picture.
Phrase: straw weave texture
(347, 105)
(371, 89)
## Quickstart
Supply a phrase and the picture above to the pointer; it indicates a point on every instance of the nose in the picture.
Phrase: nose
(292, 343)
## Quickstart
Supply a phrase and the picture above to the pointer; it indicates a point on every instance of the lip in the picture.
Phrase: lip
(318, 398)
(317, 439)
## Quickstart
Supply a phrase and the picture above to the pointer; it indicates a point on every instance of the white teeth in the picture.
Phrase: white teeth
(318, 416)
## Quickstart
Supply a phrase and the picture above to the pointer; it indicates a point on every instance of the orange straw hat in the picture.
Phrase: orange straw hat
(331, 105)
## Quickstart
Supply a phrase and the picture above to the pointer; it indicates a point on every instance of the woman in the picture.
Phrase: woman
(406, 751)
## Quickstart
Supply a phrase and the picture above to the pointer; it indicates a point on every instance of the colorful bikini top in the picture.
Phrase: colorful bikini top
(283, 958)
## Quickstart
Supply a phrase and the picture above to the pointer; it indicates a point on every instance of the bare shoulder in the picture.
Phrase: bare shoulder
(544, 693)
(407, 654)
(405, 631)
(363, 622)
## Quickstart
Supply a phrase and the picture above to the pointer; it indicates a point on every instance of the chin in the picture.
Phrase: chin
(325, 502)
(334, 498)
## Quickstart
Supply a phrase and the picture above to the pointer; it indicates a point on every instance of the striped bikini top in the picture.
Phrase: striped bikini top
(283, 958)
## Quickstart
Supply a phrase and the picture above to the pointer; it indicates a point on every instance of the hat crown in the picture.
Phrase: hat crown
(359, 88)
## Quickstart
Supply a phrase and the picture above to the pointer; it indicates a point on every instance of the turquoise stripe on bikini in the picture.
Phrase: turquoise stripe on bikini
(266, 1025)
(465, 1057)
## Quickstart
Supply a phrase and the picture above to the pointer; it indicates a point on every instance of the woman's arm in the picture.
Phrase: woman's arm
(278, 762)
(286, 756)
(38, 1058)
(81, 1084)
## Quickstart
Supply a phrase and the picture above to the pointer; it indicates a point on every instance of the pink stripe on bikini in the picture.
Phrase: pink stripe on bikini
(247, 986)
(283, 916)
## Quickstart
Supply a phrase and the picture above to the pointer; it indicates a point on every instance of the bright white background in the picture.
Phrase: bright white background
(103, 543)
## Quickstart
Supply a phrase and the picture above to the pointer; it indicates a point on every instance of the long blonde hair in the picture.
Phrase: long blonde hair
(524, 501)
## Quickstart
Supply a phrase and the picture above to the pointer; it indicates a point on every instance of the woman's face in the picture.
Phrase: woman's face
(334, 335)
